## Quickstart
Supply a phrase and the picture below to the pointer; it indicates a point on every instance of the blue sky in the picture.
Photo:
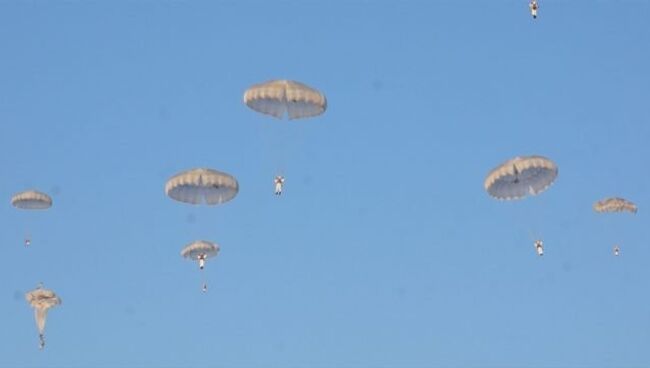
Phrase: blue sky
(384, 250)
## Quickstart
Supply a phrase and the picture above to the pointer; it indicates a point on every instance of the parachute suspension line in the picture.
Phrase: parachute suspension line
(535, 226)
(514, 169)
(204, 283)
(533, 235)
(282, 140)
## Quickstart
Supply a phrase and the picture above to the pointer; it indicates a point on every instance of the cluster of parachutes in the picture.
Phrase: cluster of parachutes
(514, 179)
(40, 299)
(200, 186)
(525, 176)
(203, 186)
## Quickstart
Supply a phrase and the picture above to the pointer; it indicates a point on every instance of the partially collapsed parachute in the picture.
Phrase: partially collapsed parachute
(283, 97)
(31, 200)
(198, 186)
(42, 300)
(521, 176)
(615, 205)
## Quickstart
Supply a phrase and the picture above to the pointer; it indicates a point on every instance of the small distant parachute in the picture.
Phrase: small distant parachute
(31, 200)
(199, 186)
(520, 177)
(284, 97)
(200, 251)
(42, 300)
(615, 205)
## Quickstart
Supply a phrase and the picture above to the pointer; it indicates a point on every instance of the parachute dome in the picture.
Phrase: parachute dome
(200, 248)
(521, 176)
(615, 205)
(31, 200)
(198, 186)
(283, 97)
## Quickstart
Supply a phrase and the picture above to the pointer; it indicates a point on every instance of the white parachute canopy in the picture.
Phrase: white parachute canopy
(284, 97)
(200, 249)
(31, 200)
(615, 204)
(520, 177)
(198, 186)
(42, 300)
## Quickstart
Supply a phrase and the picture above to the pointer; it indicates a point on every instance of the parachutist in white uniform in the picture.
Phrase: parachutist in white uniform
(617, 250)
(41, 344)
(539, 246)
(27, 242)
(201, 261)
(533, 8)
(279, 182)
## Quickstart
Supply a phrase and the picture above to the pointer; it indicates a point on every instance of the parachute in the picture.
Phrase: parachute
(200, 251)
(31, 200)
(520, 177)
(615, 205)
(42, 300)
(198, 186)
(280, 98)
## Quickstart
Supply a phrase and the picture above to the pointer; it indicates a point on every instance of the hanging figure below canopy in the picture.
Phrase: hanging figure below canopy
(533, 8)
(279, 184)
(539, 247)
(617, 250)
(42, 300)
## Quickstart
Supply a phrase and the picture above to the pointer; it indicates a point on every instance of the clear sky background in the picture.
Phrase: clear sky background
(384, 250)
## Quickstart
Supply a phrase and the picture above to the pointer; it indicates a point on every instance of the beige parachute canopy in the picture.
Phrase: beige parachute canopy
(42, 300)
(31, 200)
(198, 186)
(283, 97)
(521, 176)
(200, 249)
(615, 205)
